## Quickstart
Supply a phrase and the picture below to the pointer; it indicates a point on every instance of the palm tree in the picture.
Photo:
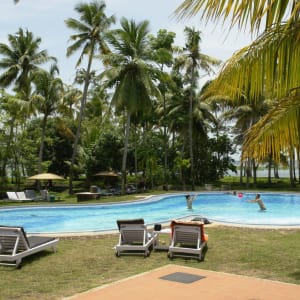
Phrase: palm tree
(162, 46)
(193, 60)
(89, 37)
(246, 114)
(130, 74)
(269, 66)
(13, 115)
(21, 58)
(46, 99)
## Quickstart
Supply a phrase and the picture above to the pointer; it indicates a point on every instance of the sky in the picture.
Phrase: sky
(45, 18)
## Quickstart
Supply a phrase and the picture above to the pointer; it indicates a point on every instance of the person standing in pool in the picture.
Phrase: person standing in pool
(189, 201)
(259, 202)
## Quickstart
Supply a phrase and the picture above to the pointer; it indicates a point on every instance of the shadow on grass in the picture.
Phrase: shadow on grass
(295, 275)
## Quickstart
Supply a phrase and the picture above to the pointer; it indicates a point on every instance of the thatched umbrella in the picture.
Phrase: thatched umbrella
(45, 176)
(109, 177)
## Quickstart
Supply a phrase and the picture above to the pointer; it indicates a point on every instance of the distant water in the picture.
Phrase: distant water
(264, 173)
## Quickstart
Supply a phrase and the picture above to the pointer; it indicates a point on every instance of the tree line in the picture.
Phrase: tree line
(144, 113)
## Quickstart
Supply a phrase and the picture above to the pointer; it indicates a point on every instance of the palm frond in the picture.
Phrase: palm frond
(270, 64)
(277, 132)
(256, 13)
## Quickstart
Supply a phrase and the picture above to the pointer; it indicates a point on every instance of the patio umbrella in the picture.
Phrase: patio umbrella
(108, 177)
(45, 176)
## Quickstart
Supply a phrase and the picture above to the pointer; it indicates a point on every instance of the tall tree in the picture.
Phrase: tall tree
(46, 100)
(162, 46)
(130, 74)
(21, 58)
(90, 30)
(193, 61)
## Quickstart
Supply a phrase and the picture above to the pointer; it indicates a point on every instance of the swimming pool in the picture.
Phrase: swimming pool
(282, 210)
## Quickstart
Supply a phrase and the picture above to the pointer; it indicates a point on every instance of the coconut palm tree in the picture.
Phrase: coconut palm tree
(162, 46)
(89, 36)
(21, 57)
(130, 75)
(269, 66)
(46, 100)
(192, 60)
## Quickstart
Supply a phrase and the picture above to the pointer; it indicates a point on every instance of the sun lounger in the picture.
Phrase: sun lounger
(18, 196)
(12, 196)
(188, 239)
(31, 194)
(22, 196)
(134, 238)
(15, 245)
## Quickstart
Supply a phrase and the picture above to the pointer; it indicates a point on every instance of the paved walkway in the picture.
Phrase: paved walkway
(174, 282)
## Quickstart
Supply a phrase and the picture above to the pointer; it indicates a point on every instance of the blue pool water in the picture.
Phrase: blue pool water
(282, 210)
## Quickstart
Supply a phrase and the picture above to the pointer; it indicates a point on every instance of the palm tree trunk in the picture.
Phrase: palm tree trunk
(191, 131)
(81, 115)
(241, 172)
(42, 144)
(269, 169)
(135, 160)
(124, 159)
(165, 145)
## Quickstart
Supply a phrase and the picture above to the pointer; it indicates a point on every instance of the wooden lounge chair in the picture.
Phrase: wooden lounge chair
(134, 238)
(15, 245)
(188, 239)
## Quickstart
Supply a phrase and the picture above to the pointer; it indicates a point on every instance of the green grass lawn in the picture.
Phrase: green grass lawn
(82, 263)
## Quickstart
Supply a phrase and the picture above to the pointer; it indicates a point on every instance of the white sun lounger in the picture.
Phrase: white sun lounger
(134, 238)
(188, 239)
(18, 196)
(22, 196)
(15, 245)
(12, 196)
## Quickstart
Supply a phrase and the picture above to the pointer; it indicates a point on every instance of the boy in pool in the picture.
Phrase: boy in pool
(259, 202)
(189, 201)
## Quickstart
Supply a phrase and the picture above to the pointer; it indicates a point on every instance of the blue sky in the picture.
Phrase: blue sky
(45, 18)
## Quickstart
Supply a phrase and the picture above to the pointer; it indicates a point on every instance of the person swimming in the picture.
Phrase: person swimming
(259, 201)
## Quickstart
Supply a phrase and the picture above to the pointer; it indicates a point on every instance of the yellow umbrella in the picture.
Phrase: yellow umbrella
(45, 176)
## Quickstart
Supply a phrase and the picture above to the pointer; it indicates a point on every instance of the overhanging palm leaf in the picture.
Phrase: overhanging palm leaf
(270, 64)
(277, 132)
(241, 12)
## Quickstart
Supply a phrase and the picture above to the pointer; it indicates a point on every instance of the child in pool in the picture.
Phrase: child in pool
(259, 201)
